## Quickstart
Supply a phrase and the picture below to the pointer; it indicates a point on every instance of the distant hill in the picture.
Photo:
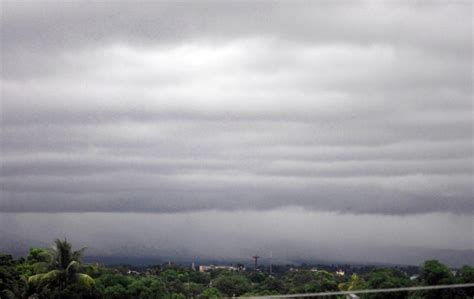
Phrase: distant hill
(142, 256)
(11, 244)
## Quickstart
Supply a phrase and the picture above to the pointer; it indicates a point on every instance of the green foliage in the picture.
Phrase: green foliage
(435, 273)
(272, 285)
(323, 282)
(310, 282)
(111, 279)
(355, 283)
(37, 261)
(175, 296)
(38, 255)
(11, 283)
(137, 289)
(203, 278)
(117, 291)
(58, 273)
(61, 278)
(211, 293)
(466, 274)
(174, 280)
(296, 281)
(115, 285)
(257, 277)
(387, 278)
(232, 284)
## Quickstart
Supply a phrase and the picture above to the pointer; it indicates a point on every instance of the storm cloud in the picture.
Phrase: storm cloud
(181, 107)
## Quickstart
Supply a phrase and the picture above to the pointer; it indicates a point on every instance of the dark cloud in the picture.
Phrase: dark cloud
(161, 107)
(77, 22)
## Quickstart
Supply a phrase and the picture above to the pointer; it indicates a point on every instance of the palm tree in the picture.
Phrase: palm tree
(63, 269)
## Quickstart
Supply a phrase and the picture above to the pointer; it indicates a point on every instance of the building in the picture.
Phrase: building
(205, 268)
(340, 273)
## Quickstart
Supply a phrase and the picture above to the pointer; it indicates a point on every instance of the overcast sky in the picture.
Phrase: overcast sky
(325, 115)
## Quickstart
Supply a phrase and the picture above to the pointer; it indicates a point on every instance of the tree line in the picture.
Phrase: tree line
(59, 273)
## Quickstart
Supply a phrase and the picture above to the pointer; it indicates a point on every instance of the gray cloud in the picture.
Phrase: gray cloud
(159, 107)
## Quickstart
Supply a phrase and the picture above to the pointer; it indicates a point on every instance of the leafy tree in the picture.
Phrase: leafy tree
(156, 287)
(174, 280)
(273, 285)
(296, 281)
(63, 272)
(193, 289)
(436, 273)
(117, 291)
(111, 279)
(38, 255)
(203, 278)
(37, 261)
(232, 284)
(137, 289)
(211, 293)
(323, 281)
(175, 296)
(306, 281)
(355, 283)
(257, 277)
(466, 275)
(384, 278)
(11, 283)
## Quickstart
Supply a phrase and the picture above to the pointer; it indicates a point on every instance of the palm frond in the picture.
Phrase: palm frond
(63, 253)
(35, 280)
(72, 267)
(66, 264)
(40, 280)
(40, 267)
(84, 280)
(77, 255)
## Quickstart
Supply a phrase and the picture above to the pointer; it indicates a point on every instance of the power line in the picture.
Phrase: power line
(390, 290)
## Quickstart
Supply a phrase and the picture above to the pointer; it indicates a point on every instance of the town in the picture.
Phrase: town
(59, 273)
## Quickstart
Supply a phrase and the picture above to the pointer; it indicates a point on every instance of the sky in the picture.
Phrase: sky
(326, 130)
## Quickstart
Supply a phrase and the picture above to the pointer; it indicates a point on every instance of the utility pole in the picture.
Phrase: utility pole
(271, 256)
(256, 257)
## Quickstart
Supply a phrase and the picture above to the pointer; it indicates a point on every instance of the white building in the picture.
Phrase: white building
(340, 272)
(204, 268)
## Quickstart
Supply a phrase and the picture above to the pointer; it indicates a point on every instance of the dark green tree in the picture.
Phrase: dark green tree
(232, 284)
(12, 285)
(355, 283)
(466, 275)
(297, 281)
(384, 278)
(323, 281)
(117, 291)
(272, 285)
(174, 280)
(436, 273)
(38, 261)
(211, 293)
(63, 274)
